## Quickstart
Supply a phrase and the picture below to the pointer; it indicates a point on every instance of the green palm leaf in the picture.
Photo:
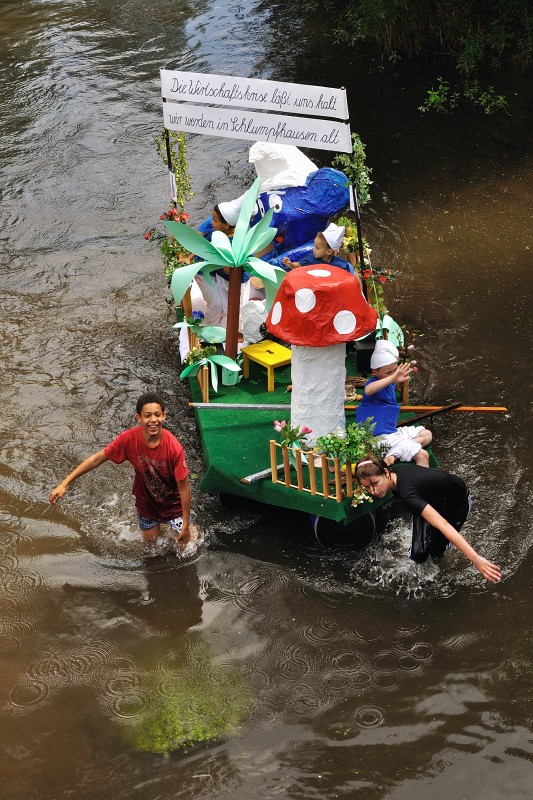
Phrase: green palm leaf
(195, 243)
(214, 373)
(224, 246)
(193, 369)
(243, 223)
(226, 362)
(260, 235)
(265, 271)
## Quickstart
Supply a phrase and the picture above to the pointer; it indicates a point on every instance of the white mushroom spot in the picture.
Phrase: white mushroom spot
(344, 322)
(319, 273)
(276, 313)
(305, 300)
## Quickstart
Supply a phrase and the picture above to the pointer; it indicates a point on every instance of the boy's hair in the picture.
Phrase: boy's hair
(369, 467)
(149, 397)
(221, 215)
(324, 240)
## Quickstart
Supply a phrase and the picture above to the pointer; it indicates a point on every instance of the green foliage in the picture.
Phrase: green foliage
(192, 711)
(172, 253)
(487, 99)
(355, 168)
(178, 155)
(441, 98)
(475, 34)
(197, 354)
(445, 100)
(478, 37)
(359, 441)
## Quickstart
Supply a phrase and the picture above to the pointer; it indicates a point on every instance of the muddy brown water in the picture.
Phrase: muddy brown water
(370, 678)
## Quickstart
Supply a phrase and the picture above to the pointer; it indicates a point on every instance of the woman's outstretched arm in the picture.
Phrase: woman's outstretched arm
(489, 571)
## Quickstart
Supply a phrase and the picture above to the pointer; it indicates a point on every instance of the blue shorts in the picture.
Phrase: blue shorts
(146, 524)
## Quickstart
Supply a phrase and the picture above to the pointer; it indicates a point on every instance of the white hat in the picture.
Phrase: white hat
(231, 210)
(334, 234)
(384, 354)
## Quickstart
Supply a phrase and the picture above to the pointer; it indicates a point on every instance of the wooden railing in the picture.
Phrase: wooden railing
(315, 473)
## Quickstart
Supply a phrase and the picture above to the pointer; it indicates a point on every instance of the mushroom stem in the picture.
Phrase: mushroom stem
(318, 377)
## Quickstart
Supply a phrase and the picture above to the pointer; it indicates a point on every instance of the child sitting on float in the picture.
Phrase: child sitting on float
(224, 218)
(325, 250)
(380, 405)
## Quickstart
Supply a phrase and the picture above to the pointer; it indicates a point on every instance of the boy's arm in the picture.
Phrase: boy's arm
(89, 464)
(400, 375)
(489, 571)
(290, 264)
(185, 494)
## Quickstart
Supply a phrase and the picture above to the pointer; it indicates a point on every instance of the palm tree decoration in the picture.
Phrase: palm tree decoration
(206, 357)
(236, 253)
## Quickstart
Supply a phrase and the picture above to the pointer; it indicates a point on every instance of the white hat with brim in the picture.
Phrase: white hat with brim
(384, 354)
(334, 234)
(231, 210)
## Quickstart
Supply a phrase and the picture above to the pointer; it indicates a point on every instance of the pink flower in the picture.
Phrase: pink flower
(306, 430)
(277, 426)
(413, 363)
(411, 347)
(415, 369)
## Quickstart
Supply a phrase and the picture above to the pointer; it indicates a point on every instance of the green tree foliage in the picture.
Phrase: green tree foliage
(477, 33)
(480, 37)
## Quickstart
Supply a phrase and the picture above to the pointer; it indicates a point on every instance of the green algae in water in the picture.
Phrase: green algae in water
(196, 710)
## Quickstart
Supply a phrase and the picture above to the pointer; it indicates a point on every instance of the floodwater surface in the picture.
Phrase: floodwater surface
(342, 674)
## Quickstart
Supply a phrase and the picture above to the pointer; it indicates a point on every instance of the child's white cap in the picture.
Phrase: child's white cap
(384, 354)
(334, 234)
(231, 210)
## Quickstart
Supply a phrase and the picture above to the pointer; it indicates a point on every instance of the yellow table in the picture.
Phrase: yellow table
(267, 354)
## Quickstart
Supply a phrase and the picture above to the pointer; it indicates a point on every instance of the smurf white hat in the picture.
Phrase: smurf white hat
(231, 210)
(384, 354)
(334, 234)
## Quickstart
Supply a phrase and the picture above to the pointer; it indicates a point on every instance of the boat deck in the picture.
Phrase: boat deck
(236, 444)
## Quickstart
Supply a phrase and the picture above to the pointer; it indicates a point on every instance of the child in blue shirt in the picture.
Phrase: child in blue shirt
(379, 404)
(325, 248)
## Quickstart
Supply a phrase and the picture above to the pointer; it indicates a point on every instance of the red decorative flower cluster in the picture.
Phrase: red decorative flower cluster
(383, 274)
(175, 216)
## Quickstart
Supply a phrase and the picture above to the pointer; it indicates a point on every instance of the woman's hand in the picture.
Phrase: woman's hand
(489, 571)
(56, 494)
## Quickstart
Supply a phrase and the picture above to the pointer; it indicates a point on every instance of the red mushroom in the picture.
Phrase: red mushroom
(318, 309)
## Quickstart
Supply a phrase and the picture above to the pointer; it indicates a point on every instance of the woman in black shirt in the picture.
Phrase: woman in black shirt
(439, 501)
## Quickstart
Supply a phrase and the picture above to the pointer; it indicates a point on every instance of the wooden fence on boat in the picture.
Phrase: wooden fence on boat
(314, 473)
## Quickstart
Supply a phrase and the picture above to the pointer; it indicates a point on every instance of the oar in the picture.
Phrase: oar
(426, 414)
(286, 406)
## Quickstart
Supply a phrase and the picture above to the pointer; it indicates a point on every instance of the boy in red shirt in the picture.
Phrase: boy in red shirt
(161, 484)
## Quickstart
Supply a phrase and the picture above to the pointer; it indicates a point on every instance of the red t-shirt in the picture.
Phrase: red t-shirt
(157, 471)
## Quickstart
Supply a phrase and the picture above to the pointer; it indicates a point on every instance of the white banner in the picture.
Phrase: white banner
(303, 132)
(225, 90)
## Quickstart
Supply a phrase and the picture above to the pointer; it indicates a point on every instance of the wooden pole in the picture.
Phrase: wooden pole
(186, 305)
(299, 470)
(234, 306)
(338, 480)
(286, 466)
(325, 478)
(312, 474)
(359, 237)
(273, 459)
(349, 479)
(284, 406)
